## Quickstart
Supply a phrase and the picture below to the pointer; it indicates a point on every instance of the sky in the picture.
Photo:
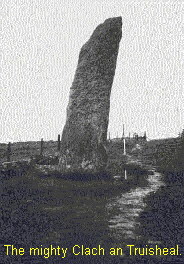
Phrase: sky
(41, 41)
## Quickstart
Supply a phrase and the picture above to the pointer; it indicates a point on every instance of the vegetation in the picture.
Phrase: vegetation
(162, 219)
(167, 155)
(43, 210)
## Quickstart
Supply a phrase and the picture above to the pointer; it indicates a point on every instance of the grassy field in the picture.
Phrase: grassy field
(26, 150)
(31, 151)
(38, 210)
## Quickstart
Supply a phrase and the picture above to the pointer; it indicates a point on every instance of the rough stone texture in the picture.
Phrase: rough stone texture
(85, 131)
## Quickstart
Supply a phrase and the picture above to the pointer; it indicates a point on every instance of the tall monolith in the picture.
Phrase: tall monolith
(85, 132)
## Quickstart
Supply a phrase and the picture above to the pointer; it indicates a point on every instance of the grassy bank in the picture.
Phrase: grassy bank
(162, 221)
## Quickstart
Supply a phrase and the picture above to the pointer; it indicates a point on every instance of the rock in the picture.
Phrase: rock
(85, 132)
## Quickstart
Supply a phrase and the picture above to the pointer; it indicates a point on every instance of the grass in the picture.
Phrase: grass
(38, 210)
(26, 150)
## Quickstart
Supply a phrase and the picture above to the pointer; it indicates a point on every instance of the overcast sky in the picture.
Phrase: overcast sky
(40, 46)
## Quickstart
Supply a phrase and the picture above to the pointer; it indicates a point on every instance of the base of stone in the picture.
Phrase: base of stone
(85, 176)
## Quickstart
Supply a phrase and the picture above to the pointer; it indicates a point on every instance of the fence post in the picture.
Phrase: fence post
(109, 136)
(145, 136)
(59, 143)
(9, 152)
(41, 147)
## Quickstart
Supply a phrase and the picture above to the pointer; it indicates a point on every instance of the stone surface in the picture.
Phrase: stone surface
(85, 132)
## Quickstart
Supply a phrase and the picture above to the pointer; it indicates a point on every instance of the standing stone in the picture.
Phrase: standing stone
(85, 132)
